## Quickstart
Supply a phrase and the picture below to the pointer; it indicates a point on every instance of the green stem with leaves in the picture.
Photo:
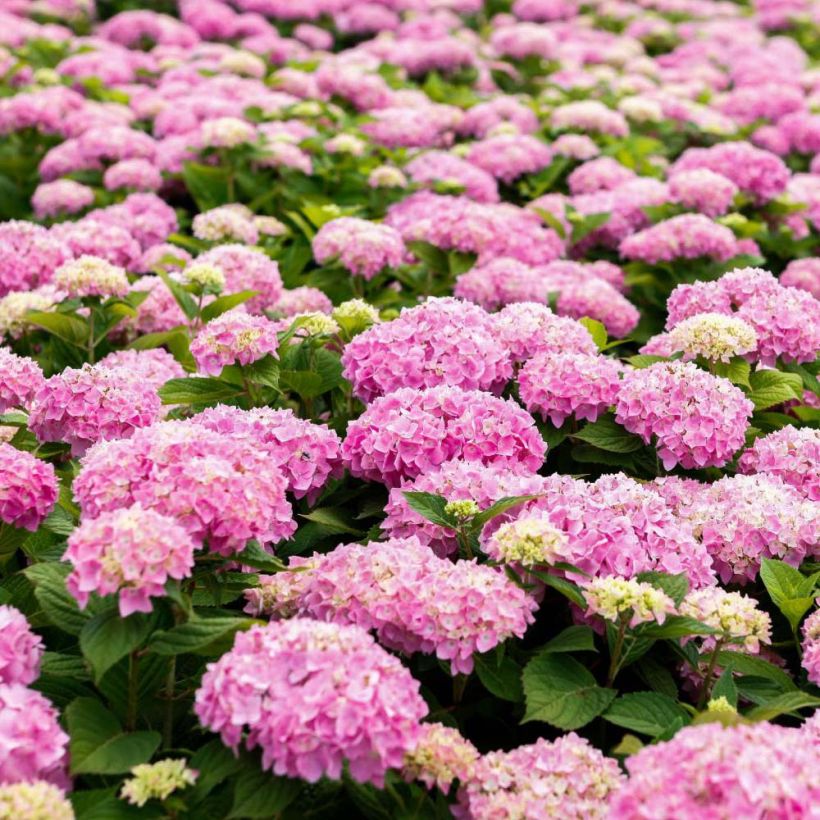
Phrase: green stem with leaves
(706, 690)
(617, 649)
(133, 690)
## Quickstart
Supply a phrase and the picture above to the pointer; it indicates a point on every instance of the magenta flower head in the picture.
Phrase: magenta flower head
(442, 341)
(131, 551)
(90, 404)
(559, 385)
(710, 770)
(32, 744)
(20, 649)
(247, 269)
(510, 156)
(566, 778)
(313, 695)
(362, 247)
(63, 196)
(410, 431)
(20, 378)
(688, 236)
(698, 420)
(234, 337)
(811, 647)
(28, 488)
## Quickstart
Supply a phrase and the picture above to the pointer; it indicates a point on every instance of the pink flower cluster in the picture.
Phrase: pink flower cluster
(697, 420)
(688, 236)
(20, 379)
(761, 770)
(440, 342)
(792, 454)
(509, 156)
(364, 248)
(442, 167)
(313, 696)
(559, 385)
(811, 647)
(221, 489)
(457, 481)
(81, 406)
(308, 454)
(64, 196)
(565, 778)
(28, 488)
(441, 756)
(234, 337)
(131, 551)
(32, 744)
(414, 600)
(21, 650)
(409, 432)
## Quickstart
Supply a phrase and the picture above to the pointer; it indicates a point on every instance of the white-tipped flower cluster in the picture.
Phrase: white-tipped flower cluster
(227, 132)
(207, 277)
(156, 781)
(528, 541)
(735, 616)
(613, 598)
(714, 337)
(91, 276)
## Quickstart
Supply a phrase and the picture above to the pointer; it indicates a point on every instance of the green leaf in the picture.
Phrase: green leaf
(642, 360)
(771, 387)
(675, 586)
(107, 638)
(432, 257)
(324, 374)
(64, 666)
(215, 763)
(648, 713)
(197, 636)
(758, 667)
(54, 599)
(99, 746)
(572, 639)
(62, 325)
(207, 185)
(737, 371)
(332, 518)
(596, 330)
(225, 303)
(725, 687)
(186, 302)
(606, 434)
(791, 592)
(500, 676)
(196, 390)
(675, 626)
(255, 556)
(562, 585)
(105, 804)
(786, 703)
(500, 507)
(583, 226)
(562, 692)
(258, 794)
(430, 506)
(263, 371)
(657, 677)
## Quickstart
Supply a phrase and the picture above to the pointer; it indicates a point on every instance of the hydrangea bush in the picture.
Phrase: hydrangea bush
(409, 410)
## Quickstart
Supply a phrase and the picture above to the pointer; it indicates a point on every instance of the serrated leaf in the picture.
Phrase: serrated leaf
(99, 746)
(572, 639)
(606, 434)
(255, 556)
(675, 586)
(674, 627)
(186, 302)
(333, 520)
(434, 258)
(657, 677)
(196, 390)
(649, 713)
(226, 303)
(69, 328)
(758, 667)
(260, 795)
(215, 763)
(501, 678)
(430, 506)
(791, 592)
(562, 692)
(782, 705)
(197, 636)
(596, 330)
(500, 507)
(54, 599)
(736, 371)
(642, 360)
(107, 638)
(772, 387)
(562, 585)
(725, 687)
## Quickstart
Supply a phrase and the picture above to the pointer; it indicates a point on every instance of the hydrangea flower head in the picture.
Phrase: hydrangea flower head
(157, 781)
(20, 649)
(37, 800)
(612, 598)
(362, 247)
(28, 488)
(91, 276)
(714, 336)
(235, 337)
(20, 379)
(736, 617)
(441, 756)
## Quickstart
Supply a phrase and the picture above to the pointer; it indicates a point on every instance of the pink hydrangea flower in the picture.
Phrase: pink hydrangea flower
(152, 367)
(792, 454)
(20, 378)
(565, 778)
(64, 196)
(710, 770)
(221, 489)
(442, 341)
(20, 649)
(803, 274)
(414, 600)
(527, 329)
(32, 744)
(313, 695)
(559, 385)
(441, 756)
(29, 255)
(458, 481)
(510, 156)
(308, 454)
(601, 174)
(362, 247)
(133, 174)
(302, 300)
(811, 647)
(688, 236)
(235, 337)
(90, 404)
(131, 551)
(28, 488)
(410, 431)
(697, 420)
(439, 166)
(247, 269)
(703, 190)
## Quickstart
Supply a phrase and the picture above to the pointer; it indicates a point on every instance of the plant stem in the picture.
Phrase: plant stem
(615, 660)
(91, 336)
(168, 718)
(707, 678)
(459, 685)
(133, 690)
